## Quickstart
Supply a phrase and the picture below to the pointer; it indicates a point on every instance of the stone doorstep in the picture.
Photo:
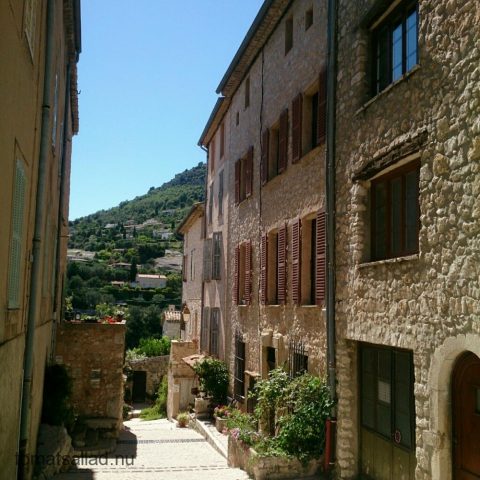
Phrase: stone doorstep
(103, 447)
(211, 435)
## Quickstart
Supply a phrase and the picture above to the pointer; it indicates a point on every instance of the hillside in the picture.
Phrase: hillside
(162, 208)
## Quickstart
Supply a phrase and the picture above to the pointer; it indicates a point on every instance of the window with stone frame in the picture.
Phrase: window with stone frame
(239, 372)
(275, 148)
(395, 212)
(394, 45)
(387, 411)
(244, 177)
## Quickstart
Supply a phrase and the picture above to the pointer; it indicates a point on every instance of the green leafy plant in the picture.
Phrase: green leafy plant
(213, 376)
(159, 410)
(126, 410)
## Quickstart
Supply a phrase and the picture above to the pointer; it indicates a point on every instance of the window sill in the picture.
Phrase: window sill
(407, 258)
(273, 306)
(310, 306)
(405, 76)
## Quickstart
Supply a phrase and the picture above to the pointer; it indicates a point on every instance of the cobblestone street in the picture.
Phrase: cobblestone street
(156, 450)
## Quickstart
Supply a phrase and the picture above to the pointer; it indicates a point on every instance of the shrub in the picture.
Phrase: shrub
(126, 410)
(159, 410)
(213, 375)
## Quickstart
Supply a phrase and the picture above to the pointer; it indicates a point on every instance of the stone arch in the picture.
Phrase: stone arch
(440, 383)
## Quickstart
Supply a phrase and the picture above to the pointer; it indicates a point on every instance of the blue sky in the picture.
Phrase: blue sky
(148, 72)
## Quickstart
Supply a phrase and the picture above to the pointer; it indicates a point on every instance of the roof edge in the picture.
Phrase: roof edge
(195, 208)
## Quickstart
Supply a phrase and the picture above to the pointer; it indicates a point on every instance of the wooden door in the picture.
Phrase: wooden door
(466, 418)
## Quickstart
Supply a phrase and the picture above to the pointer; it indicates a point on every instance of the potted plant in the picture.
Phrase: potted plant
(69, 314)
(182, 419)
(221, 415)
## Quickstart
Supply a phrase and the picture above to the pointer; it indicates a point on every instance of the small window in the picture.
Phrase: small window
(271, 359)
(395, 213)
(288, 34)
(247, 92)
(308, 18)
(395, 46)
(210, 205)
(238, 119)
(220, 194)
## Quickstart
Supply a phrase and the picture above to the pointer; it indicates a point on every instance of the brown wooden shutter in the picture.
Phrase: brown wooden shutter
(297, 128)
(296, 261)
(249, 173)
(264, 259)
(322, 108)
(212, 155)
(282, 264)
(237, 182)
(248, 272)
(320, 261)
(265, 155)
(236, 277)
(283, 141)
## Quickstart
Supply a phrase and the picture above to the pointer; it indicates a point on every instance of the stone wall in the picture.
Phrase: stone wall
(275, 79)
(94, 355)
(429, 302)
(156, 368)
(181, 378)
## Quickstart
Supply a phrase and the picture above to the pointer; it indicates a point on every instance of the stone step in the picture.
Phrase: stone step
(103, 447)
(91, 438)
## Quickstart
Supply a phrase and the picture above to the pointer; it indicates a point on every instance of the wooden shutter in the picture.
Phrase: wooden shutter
(184, 268)
(222, 140)
(296, 261)
(214, 331)
(249, 173)
(282, 264)
(237, 273)
(207, 260)
(297, 128)
(237, 181)
(205, 329)
(248, 272)
(217, 251)
(265, 155)
(212, 155)
(283, 142)
(220, 193)
(321, 258)
(322, 108)
(264, 273)
(17, 237)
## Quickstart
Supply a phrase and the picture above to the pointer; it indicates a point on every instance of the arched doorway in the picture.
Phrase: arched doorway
(466, 418)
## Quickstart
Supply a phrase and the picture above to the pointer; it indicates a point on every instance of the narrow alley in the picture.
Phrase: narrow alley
(158, 450)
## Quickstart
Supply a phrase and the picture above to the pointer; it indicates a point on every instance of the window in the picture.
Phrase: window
(239, 376)
(247, 93)
(192, 265)
(16, 245)
(184, 267)
(214, 326)
(243, 274)
(207, 260)
(211, 157)
(271, 358)
(308, 18)
(386, 406)
(297, 359)
(222, 140)
(220, 194)
(244, 177)
(288, 34)
(205, 329)
(395, 46)
(275, 148)
(217, 255)
(210, 204)
(308, 259)
(237, 119)
(273, 267)
(395, 213)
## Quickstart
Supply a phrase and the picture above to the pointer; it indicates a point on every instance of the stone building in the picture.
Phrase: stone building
(191, 227)
(271, 119)
(40, 46)
(215, 251)
(407, 236)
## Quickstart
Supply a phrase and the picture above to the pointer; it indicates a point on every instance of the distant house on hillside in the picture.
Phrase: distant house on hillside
(129, 222)
(150, 281)
(163, 234)
(110, 225)
(121, 266)
(152, 221)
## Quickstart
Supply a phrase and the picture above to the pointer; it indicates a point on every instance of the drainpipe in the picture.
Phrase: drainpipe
(63, 179)
(35, 281)
(330, 166)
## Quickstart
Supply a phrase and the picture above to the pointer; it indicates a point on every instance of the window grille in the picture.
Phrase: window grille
(297, 360)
